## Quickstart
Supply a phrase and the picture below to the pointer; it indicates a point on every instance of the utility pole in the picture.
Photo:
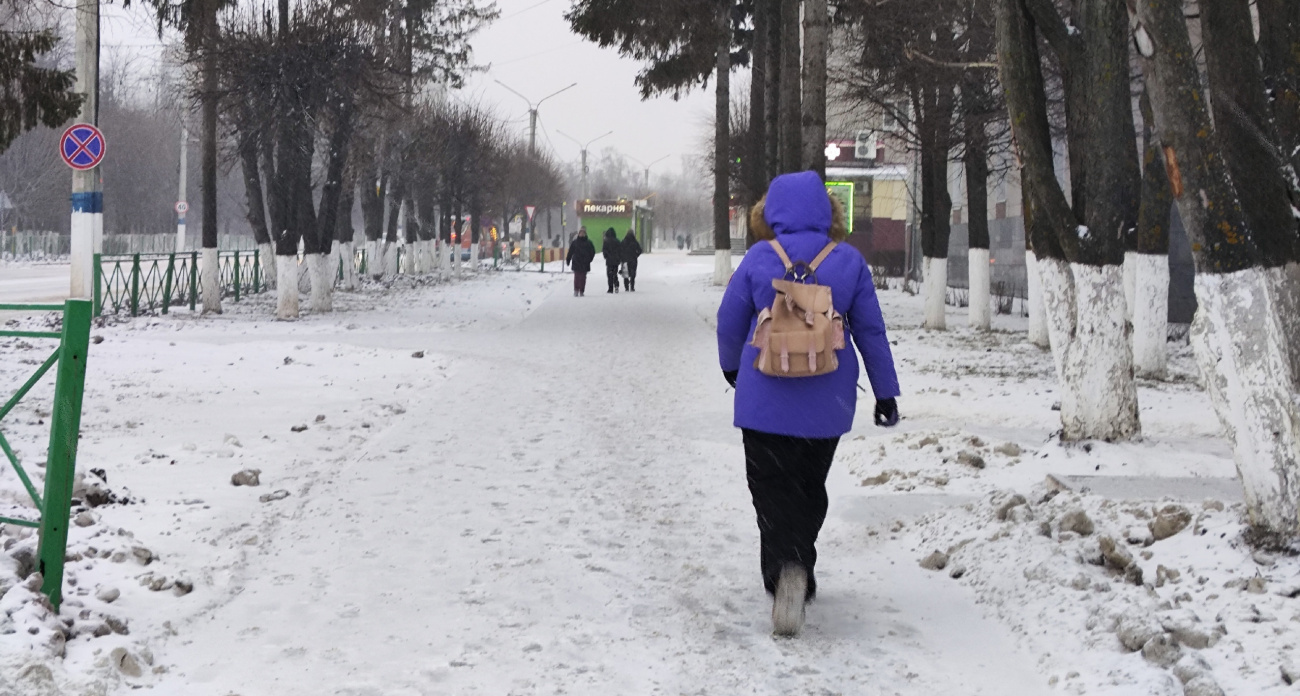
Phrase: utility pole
(180, 195)
(586, 191)
(532, 113)
(87, 187)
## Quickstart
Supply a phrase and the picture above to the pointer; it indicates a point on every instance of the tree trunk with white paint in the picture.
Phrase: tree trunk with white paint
(1238, 335)
(410, 256)
(348, 259)
(427, 258)
(474, 254)
(287, 284)
(1090, 345)
(1038, 334)
(981, 301)
(1286, 290)
(936, 293)
(1151, 315)
(211, 273)
(1130, 283)
(722, 267)
(266, 257)
(390, 261)
(322, 282)
(1250, 386)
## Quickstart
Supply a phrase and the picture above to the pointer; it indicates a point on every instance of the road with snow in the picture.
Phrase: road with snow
(33, 284)
(552, 500)
(485, 487)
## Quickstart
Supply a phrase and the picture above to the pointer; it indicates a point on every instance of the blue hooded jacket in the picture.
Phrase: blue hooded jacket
(799, 210)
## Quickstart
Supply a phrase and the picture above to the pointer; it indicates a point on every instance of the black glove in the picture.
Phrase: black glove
(730, 376)
(886, 413)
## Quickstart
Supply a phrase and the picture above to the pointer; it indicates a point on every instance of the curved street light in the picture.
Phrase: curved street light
(532, 112)
(583, 146)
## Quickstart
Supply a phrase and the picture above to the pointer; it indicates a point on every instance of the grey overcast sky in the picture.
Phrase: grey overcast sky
(531, 49)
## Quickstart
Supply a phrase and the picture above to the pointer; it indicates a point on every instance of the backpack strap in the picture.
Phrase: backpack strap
(776, 246)
(812, 267)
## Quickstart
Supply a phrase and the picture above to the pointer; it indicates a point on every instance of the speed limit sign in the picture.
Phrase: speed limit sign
(182, 207)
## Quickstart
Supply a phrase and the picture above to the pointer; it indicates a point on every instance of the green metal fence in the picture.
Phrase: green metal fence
(144, 283)
(55, 506)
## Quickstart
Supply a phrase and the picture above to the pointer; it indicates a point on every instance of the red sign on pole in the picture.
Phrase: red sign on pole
(530, 209)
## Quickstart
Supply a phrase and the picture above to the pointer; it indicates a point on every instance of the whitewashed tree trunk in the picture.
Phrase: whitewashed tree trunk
(1130, 283)
(1241, 349)
(426, 257)
(409, 258)
(1090, 345)
(1151, 315)
(1038, 333)
(266, 257)
(374, 258)
(390, 261)
(721, 267)
(322, 282)
(348, 258)
(1286, 289)
(287, 284)
(456, 264)
(936, 292)
(981, 308)
(211, 273)
(474, 255)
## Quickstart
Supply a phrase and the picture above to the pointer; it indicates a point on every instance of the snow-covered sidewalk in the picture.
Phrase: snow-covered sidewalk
(493, 487)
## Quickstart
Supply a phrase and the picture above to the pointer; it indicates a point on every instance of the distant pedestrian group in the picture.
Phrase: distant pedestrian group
(620, 260)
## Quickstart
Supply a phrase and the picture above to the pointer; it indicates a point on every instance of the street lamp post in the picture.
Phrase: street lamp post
(586, 193)
(647, 168)
(532, 113)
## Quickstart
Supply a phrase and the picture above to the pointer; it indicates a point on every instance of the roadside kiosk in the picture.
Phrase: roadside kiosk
(622, 214)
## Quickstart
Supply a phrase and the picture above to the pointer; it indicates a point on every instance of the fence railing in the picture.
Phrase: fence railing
(31, 245)
(143, 283)
(54, 508)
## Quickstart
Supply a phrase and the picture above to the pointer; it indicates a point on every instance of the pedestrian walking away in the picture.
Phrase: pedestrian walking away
(792, 403)
(631, 251)
(581, 253)
(612, 250)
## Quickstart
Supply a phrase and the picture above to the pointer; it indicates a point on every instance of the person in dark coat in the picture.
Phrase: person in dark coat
(612, 250)
(791, 426)
(581, 253)
(631, 250)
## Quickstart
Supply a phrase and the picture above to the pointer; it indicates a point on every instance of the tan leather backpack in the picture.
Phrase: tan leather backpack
(799, 334)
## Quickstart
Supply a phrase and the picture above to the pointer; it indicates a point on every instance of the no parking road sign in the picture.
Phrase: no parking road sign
(82, 146)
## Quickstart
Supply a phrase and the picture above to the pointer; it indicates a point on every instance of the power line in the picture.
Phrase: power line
(534, 55)
(526, 9)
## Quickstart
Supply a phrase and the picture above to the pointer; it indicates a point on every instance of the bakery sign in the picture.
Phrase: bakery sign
(606, 208)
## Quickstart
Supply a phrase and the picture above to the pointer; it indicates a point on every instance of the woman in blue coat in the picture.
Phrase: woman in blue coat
(792, 425)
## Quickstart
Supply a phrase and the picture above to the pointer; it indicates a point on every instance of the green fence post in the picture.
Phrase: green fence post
(135, 285)
(194, 278)
(167, 282)
(61, 464)
(257, 271)
(236, 275)
(541, 254)
(98, 309)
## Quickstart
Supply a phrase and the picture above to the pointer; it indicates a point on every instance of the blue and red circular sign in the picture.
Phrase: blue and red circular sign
(82, 146)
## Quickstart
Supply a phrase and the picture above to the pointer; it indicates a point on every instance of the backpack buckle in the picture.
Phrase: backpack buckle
(800, 272)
